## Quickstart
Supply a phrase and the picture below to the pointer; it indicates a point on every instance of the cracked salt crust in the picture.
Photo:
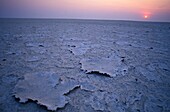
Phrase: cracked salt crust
(45, 89)
(108, 67)
(60, 45)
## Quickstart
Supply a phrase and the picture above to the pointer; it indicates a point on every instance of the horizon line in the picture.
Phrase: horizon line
(92, 19)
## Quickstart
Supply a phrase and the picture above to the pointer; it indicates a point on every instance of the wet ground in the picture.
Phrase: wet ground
(84, 66)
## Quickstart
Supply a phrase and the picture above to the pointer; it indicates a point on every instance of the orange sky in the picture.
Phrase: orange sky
(99, 9)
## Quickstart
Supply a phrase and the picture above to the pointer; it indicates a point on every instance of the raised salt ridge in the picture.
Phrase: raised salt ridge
(105, 66)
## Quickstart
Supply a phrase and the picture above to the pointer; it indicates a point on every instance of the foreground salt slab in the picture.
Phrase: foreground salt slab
(106, 66)
(46, 88)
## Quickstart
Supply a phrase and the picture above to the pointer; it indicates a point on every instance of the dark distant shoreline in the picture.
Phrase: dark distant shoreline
(90, 20)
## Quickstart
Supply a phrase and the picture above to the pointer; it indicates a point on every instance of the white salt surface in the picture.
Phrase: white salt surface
(84, 66)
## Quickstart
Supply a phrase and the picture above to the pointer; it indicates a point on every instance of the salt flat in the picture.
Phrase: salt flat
(84, 66)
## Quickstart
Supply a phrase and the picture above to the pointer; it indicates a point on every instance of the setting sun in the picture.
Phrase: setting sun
(146, 16)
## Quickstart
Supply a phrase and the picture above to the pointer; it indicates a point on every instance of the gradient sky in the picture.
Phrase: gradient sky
(156, 10)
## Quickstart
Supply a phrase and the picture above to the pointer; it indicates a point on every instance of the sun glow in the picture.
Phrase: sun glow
(146, 16)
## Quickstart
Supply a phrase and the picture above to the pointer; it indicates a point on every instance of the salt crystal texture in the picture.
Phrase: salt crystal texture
(104, 66)
(45, 89)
